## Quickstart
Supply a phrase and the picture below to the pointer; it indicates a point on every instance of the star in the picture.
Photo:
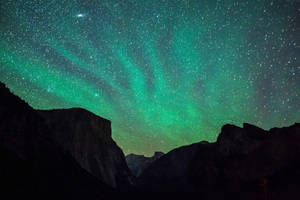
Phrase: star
(80, 15)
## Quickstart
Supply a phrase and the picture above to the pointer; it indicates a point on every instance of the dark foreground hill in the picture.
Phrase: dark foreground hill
(66, 154)
(244, 163)
(69, 154)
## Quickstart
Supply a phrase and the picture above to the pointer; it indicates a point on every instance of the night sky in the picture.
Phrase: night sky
(166, 72)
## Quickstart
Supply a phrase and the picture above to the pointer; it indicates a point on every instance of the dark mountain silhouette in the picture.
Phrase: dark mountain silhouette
(138, 163)
(69, 154)
(62, 153)
(244, 163)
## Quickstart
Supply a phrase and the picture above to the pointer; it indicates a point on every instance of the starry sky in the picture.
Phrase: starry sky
(167, 73)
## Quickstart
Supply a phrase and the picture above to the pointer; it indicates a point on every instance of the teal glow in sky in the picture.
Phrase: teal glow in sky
(166, 73)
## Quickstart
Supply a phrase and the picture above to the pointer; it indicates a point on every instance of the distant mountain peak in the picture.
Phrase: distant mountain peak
(138, 163)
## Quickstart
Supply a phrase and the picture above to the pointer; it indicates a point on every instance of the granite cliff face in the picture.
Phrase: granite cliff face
(138, 163)
(244, 163)
(87, 138)
(69, 152)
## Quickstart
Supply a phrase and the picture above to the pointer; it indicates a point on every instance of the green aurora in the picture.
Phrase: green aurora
(166, 73)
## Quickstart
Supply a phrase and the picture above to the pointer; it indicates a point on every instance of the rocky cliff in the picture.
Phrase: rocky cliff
(68, 152)
(87, 138)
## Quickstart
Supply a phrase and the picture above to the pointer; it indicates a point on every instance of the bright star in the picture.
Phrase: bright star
(80, 15)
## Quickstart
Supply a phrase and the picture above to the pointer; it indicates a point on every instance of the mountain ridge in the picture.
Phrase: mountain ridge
(236, 166)
(69, 153)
